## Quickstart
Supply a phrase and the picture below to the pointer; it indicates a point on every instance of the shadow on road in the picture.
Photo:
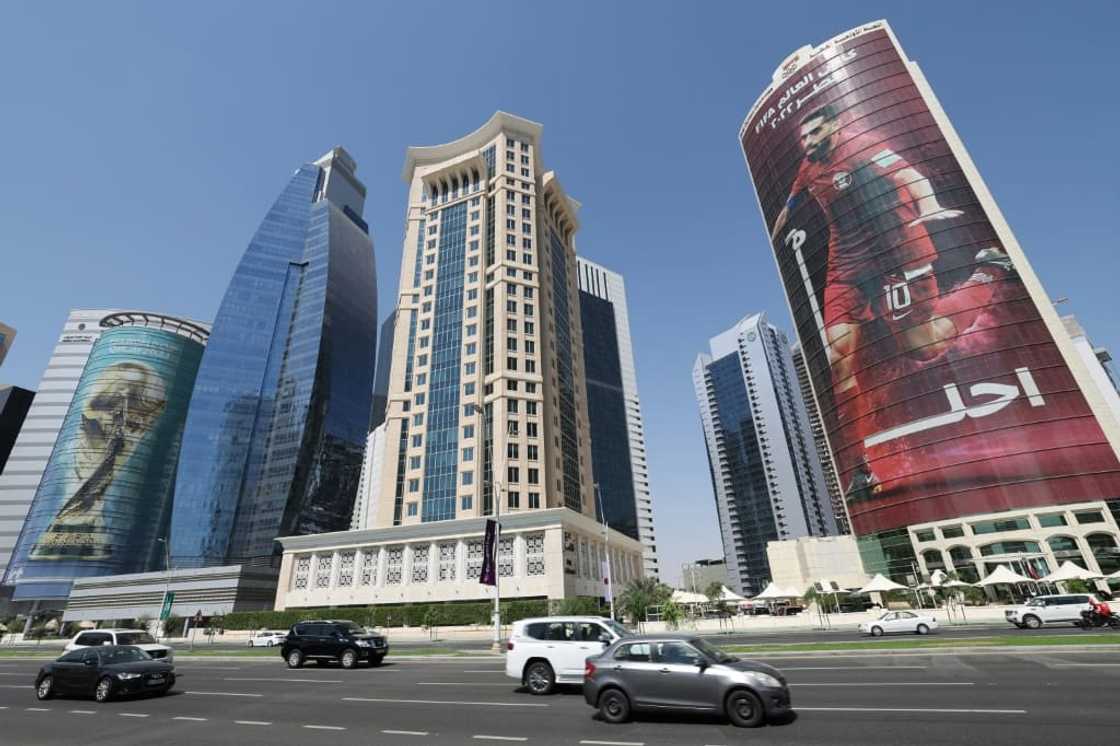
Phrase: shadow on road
(698, 718)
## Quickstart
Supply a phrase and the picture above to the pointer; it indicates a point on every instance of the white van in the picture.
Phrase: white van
(547, 651)
(1062, 608)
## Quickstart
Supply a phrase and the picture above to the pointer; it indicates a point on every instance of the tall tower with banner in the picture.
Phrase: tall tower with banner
(965, 428)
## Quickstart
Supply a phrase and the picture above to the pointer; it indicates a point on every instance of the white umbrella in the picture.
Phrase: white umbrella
(880, 584)
(956, 584)
(1069, 571)
(684, 597)
(1003, 576)
(1114, 576)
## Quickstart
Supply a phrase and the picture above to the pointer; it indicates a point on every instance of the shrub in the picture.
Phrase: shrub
(395, 615)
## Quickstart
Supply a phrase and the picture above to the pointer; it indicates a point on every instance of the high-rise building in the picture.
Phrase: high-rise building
(14, 403)
(7, 336)
(279, 417)
(105, 495)
(1098, 361)
(835, 494)
(366, 503)
(765, 472)
(487, 403)
(486, 392)
(44, 419)
(381, 376)
(618, 441)
(967, 431)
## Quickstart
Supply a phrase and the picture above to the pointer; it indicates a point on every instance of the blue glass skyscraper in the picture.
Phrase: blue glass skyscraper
(278, 420)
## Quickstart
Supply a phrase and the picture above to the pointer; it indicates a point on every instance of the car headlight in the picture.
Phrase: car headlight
(363, 643)
(127, 676)
(764, 679)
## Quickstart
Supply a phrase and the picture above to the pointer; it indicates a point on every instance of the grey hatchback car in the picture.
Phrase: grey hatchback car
(682, 673)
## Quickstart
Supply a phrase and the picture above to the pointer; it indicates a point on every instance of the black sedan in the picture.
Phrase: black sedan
(105, 672)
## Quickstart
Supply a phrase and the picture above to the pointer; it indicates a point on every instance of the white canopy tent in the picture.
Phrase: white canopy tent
(1114, 576)
(726, 594)
(773, 592)
(881, 584)
(685, 597)
(1070, 571)
(1003, 576)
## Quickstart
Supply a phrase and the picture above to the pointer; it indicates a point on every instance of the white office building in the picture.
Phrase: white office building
(369, 483)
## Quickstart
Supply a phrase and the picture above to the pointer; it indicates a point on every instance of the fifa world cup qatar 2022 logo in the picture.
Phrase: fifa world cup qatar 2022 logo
(941, 387)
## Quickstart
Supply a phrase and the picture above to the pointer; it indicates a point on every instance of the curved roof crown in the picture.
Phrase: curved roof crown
(500, 122)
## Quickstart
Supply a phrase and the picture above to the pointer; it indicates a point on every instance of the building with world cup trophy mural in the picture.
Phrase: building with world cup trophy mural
(967, 432)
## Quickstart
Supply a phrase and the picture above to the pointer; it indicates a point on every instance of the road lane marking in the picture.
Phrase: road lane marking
(324, 727)
(854, 668)
(15, 686)
(477, 670)
(882, 683)
(227, 694)
(13, 674)
(37, 709)
(405, 732)
(955, 710)
(297, 681)
(500, 738)
(616, 743)
(443, 702)
(133, 714)
(252, 722)
(84, 712)
(462, 683)
(184, 717)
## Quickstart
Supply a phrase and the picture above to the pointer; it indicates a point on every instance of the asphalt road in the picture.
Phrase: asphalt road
(879, 698)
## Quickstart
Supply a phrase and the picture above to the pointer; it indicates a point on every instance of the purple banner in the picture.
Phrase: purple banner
(489, 574)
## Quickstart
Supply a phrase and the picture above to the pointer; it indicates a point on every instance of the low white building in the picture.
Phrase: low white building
(798, 563)
(553, 553)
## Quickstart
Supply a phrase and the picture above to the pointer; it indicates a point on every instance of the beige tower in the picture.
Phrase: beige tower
(486, 393)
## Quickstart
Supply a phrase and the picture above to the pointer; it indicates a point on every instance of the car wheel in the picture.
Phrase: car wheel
(744, 709)
(1032, 622)
(375, 660)
(614, 706)
(539, 678)
(271, 643)
(45, 690)
(104, 690)
(349, 658)
(876, 631)
(295, 659)
(922, 629)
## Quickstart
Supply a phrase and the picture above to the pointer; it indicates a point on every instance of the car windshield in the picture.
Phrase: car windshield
(617, 628)
(124, 655)
(885, 614)
(135, 638)
(352, 628)
(712, 651)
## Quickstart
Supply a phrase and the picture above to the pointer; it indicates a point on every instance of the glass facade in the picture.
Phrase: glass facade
(106, 494)
(277, 424)
(606, 409)
(442, 446)
(565, 380)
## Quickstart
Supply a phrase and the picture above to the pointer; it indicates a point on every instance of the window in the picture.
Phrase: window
(323, 570)
(532, 452)
(513, 406)
(534, 476)
(511, 325)
(511, 240)
(511, 225)
(414, 462)
(534, 553)
(531, 429)
(511, 306)
(1088, 516)
(511, 363)
(468, 389)
(530, 407)
(999, 525)
(530, 366)
(422, 359)
(470, 368)
(525, 214)
(303, 569)
(468, 478)
(414, 485)
(952, 532)
(511, 344)
(534, 499)
(468, 453)
(412, 509)
(528, 309)
(513, 474)
(472, 348)
(468, 431)
(417, 441)
(530, 327)
(474, 559)
(505, 557)
(925, 534)
(429, 274)
(466, 501)
(369, 567)
(513, 499)
(637, 652)
(394, 560)
(1052, 519)
(447, 554)
(472, 329)
(420, 563)
(472, 294)
(511, 450)
(418, 419)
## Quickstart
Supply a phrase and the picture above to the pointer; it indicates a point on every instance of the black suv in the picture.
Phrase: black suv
(323, 640)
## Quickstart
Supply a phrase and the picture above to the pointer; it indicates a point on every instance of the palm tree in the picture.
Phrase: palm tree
(640, 595)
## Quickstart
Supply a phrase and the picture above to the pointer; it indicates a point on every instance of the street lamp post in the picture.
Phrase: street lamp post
(607, 545)
(166, 581)
(496, 646)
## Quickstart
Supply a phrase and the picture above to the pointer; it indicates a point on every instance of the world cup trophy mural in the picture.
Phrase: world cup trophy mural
(125, 403)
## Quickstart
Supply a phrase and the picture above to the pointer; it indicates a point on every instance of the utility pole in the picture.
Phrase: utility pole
(166, 581)
(496, 646)
(607, 545)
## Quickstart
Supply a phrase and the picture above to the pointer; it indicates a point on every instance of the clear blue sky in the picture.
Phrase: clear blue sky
(144, 141)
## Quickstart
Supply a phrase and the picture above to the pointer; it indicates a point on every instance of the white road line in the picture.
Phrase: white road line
(252, 722)
(37, 709)
(297, 681)
(1079, 665)
(477, 670)
(84, 712)
(13, 674)
(443, 702)
(500, 738)
(462, 683)
(405, 732)
(324, 727)
(184, 717)
(882, 683)
(616, 743)
(227, 694)
(911, 709)
(133, 714)
(15, 686)
(855, 668)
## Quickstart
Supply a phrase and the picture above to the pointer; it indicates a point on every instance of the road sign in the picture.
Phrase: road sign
(168, 599)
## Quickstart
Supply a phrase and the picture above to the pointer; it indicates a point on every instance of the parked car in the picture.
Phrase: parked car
(899, 621)
(685, 673)
(1050, 609)
(135, 637)
(547, 651)
(326, 640)
(267, 638)
(105, 672)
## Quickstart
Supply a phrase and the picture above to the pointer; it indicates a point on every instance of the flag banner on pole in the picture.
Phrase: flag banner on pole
(489, 575)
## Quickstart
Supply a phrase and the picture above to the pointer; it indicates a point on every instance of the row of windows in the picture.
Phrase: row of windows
(1017, 523)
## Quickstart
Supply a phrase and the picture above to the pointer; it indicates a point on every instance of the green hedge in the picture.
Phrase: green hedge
(413, 615)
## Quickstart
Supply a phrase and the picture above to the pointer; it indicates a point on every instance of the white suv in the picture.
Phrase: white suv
(547, 651)
(1040, 610)
(136, 637)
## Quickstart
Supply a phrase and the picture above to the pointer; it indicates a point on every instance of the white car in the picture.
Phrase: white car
(267, 638)
(547, 651)
(136, 637)
(899, 621)
(1051, 609)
